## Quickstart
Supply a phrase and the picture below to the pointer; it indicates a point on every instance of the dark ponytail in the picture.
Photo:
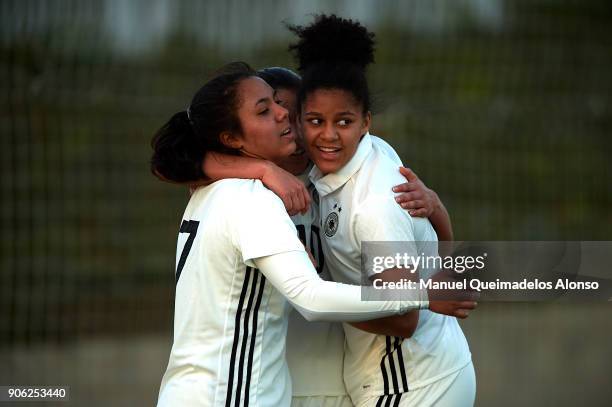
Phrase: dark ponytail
(179, 145)
(177, 151)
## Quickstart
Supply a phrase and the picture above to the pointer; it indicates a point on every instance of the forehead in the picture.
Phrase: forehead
(252, 89)
(331, 100)
(286, 94)
(289, 96)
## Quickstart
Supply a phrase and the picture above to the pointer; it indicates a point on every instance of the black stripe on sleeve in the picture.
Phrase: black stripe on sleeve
(383, 370)
(380, 401)
(247, 385)
(230, 383)
(400, 361)
(245, 336)
(398, 398)
(390, 354)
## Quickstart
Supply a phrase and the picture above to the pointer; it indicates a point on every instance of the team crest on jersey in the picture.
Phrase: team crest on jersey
(331, 222)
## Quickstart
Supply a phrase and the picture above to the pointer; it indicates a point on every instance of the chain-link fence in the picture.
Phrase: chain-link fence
(503, 107)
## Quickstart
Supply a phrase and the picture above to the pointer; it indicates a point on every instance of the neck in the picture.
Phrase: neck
(295, 167)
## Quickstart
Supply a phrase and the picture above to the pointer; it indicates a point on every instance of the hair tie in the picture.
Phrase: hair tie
(189, 114)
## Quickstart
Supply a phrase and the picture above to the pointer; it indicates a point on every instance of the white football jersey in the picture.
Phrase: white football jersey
(230, 322)
(315, 350)
(222, 355)
(357, 204)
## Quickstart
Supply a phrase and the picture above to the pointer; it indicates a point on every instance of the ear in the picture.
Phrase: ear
(230, 140)
(367, 119)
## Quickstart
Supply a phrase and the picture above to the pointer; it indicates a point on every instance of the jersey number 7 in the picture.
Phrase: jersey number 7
(191, 227)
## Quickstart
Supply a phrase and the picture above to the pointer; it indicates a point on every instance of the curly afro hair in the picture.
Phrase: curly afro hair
(333, 39)
(333, 53)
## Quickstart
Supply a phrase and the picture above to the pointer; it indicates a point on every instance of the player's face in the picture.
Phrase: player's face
(333, 123)
(297, 162)
(266, 131)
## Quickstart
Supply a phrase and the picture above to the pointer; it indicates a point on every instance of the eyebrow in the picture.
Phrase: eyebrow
(262, 100)
(266, 99)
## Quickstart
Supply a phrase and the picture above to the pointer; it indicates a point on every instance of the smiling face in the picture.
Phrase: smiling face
(332, 124)
(266, 131)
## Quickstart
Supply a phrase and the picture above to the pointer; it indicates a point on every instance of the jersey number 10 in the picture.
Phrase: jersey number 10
(314, 245)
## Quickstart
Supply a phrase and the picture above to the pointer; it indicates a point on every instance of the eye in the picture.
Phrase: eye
(263, 112)
(314, 122)
(344, 122)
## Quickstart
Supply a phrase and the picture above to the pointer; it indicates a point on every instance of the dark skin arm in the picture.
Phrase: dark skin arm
(288, 188)
(458, 304)
(423, 202)
(402, 326)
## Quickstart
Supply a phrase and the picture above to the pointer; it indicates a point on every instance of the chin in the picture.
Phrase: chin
(285, 155)
(326, 167)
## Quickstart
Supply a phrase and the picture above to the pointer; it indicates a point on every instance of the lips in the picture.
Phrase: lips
(287, 135)
(329, 152)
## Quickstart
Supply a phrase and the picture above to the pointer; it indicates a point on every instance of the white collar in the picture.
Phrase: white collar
(328, 183)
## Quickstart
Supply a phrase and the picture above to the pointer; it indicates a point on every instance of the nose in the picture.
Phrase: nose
(281, 113)
(328, 132)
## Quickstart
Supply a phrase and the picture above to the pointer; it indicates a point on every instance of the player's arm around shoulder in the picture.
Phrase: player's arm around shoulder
(288, 188)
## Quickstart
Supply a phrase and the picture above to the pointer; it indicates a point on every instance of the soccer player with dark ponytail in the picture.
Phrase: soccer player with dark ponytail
(239, 263)
(418, 359)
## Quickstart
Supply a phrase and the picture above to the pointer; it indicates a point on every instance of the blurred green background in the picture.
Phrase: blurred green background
(502, 106)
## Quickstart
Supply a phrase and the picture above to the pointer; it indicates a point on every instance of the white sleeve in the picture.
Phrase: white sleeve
(294, 276)
(381, 219)
(386, 149)
(261, 224)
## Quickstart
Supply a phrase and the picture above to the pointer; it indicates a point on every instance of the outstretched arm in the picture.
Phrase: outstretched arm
(294, 276)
